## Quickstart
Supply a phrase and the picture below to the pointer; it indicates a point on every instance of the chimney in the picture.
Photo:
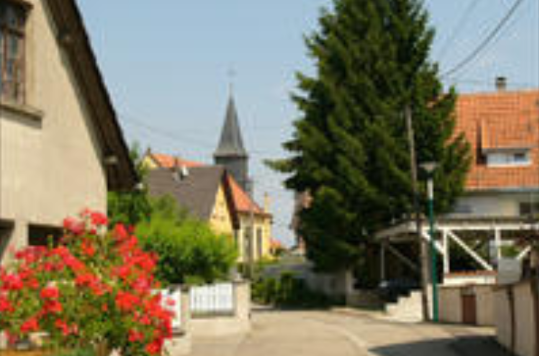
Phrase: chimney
(501, 84)
(179, 171)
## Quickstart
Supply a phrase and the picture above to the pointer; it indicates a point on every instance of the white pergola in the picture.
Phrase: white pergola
(461, 232)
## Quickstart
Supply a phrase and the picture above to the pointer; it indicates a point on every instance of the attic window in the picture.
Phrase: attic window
(515, 158)
(13, 17)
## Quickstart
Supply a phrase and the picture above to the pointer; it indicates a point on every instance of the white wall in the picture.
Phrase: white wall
(492, 205)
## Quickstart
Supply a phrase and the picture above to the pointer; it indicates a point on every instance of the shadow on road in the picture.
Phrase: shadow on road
(461, 346)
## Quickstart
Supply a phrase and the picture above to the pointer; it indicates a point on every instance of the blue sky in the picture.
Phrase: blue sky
(167, 65)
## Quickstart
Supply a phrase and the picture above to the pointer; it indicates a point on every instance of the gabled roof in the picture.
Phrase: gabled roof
(195, 192)
(169, 161)
(500, 121)
(242, 200)
(74, 40)
(231, 142)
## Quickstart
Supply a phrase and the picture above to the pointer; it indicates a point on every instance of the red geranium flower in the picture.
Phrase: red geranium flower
(31, 325)
(50, 292)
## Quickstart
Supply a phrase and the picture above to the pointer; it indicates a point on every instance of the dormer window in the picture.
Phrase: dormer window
(12, 43)
(511, 158)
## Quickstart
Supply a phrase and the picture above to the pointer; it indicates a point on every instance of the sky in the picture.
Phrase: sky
(170, 66)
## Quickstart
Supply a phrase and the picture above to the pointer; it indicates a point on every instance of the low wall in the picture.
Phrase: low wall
(222, 325)
(452, 306)
(517, 317)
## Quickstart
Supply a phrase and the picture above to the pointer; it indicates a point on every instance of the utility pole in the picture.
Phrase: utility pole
(251, 230)
(424, 260)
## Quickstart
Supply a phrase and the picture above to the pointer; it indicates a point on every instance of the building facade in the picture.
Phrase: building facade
(61, 147)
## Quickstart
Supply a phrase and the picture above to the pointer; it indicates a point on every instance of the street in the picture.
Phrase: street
(321, 333)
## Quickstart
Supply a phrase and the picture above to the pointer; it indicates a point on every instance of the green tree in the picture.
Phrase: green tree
(349, 149)
(188, 249)
(131, 207)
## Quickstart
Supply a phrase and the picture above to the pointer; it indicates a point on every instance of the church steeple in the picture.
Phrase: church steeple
(231, 152)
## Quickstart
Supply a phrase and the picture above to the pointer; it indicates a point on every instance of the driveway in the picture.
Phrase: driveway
(319, 333)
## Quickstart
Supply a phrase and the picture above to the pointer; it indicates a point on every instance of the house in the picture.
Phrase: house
(204, 191)
(211, 194)
(503, 130)
(61, 147)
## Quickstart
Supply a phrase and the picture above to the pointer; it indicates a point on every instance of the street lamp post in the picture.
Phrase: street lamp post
(430, 168)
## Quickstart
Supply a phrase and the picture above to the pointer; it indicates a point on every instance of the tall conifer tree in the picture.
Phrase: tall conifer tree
(349, 149)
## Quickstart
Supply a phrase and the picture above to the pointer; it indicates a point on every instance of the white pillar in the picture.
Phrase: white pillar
(447, 253)
(498, 242)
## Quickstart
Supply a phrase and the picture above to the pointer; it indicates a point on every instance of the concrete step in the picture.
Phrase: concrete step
(406, 309)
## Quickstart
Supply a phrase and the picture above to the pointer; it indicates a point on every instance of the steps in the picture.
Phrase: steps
(407, 309)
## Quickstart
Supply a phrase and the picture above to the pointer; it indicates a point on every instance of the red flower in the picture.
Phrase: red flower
(53, 307)
(88, 248)
(135, 336)
(74, 226)
(154, 348)
(5, 305)
(61, 325)
(12, 282)
(126, 301)
(50, 292)
(31, 325)
(98, 219)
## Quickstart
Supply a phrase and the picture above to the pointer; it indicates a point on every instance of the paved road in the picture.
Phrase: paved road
(277, 333)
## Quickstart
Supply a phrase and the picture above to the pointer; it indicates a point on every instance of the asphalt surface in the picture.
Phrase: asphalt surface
(325, 333)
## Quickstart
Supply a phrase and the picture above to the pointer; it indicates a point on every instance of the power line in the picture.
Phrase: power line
(473, 55)
(174, 136)
(460, 25)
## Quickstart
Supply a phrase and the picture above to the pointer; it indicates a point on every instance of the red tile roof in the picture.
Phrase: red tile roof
(242, 200)
(500, 120)
(168, 161)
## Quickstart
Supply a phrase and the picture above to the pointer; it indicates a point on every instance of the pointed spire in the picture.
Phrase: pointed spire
(231, 143)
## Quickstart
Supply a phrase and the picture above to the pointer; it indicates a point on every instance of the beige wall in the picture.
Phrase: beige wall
(525, 341)
(450, 305)
(50, 160)
(502, 318)
(221, 219)
(524, 333)
(451, 309)
(260, 222)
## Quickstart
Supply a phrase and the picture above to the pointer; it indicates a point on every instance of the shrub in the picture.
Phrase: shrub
(190, 252)
(288, 291)
(94, 291)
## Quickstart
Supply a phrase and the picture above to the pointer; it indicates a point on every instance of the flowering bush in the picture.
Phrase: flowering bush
(93, 290)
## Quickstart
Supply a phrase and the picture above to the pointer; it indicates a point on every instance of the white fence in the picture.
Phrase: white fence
(217, 299)
(172, 301)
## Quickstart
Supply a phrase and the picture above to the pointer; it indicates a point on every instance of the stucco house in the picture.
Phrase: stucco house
(204, 191)
(212, 194)
(61, 147)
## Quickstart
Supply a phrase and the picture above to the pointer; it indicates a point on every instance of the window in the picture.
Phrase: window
(43, 235)
(12, 36)
(502, 159)
(527, 209)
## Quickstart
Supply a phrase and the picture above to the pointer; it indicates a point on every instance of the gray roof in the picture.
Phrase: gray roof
(231, 143)
(196, 192)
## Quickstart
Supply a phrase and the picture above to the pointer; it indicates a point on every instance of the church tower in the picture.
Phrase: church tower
(231, 153)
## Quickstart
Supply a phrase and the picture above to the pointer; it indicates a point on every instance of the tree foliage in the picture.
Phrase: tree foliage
(131, 207)
(349, 148)
(189, 251)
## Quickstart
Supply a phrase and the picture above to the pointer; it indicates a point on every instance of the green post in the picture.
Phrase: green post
(433, 254)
